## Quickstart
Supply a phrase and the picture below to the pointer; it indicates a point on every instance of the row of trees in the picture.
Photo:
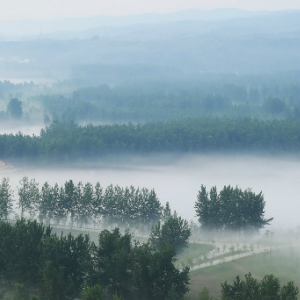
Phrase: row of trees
(269, 288)
(144, 103)
(68, 141)
(230, 210)
(66, 267)
(84, 203)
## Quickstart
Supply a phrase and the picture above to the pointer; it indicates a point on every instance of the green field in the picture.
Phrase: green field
(283, 263)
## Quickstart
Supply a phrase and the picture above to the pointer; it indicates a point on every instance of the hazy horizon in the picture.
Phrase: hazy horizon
(39, 10)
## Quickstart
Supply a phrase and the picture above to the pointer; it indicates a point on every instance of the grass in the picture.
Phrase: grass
(282, 263)
(192, 253)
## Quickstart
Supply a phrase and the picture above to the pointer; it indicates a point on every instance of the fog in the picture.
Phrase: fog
(181, 44)
(178, 180)
(176, 48)
(15, 128)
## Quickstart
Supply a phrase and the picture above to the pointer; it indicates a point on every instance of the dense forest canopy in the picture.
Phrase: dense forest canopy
(62, 267)
(65, 142)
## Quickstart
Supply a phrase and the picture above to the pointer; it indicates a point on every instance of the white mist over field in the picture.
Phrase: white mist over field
(179, 181)
(14, 128)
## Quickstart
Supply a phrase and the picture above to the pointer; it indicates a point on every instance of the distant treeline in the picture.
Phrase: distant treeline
(155, 102)
(199, 95)
(64, 142)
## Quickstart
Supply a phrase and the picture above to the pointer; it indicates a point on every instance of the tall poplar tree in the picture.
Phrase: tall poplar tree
(5, 198)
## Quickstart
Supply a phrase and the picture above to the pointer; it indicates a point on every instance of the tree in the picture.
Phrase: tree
(241, 290)
(174, 232)
(136, 272)
(109, 204)
(66, 264)
(69, 198)
(93, 293)
(61, 209)
(6, 250)
(150, 212)
(155, 276)
(63, 267)
(289, 291)
(55, 284)
(113, 263)
(28, 196)
(85, 205)
(204, 295)
(208, 208)
(231, 209)
(166, 213)
(21, 292)
(5, 198)
(23, 251)
(97, 208)
(274, 105)
(268, 288)
(14, 108)
(47, 203)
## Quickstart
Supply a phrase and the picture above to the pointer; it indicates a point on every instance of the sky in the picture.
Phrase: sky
(53, 9)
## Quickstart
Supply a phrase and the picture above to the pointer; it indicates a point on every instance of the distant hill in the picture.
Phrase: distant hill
(38, 28)
(180, 45)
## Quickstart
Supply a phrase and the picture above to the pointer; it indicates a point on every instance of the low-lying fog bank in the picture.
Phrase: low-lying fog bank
(178, 180)
(14, 127)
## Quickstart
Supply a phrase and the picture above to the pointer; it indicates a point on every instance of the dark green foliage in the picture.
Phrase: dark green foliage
(21, 292)
(48, 202)
(231, 209)
(28, 196)
(20, 250)
(274, 106)
(137, 272)
(5, 198)
(67, 263)
(69, 198)
(93, 293)
(84, 203)
(204, 294)
(113, 262)
(65, 142)
(251, 289)
(155, 276)
(174, 232)
(65, 267)
(166, 213)
(14, 108)
(6, 248)
(289, 291)
(55, 285)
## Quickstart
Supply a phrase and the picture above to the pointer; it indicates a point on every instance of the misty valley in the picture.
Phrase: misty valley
(151, 158)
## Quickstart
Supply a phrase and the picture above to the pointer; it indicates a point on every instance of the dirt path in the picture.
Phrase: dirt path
(214, 260)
